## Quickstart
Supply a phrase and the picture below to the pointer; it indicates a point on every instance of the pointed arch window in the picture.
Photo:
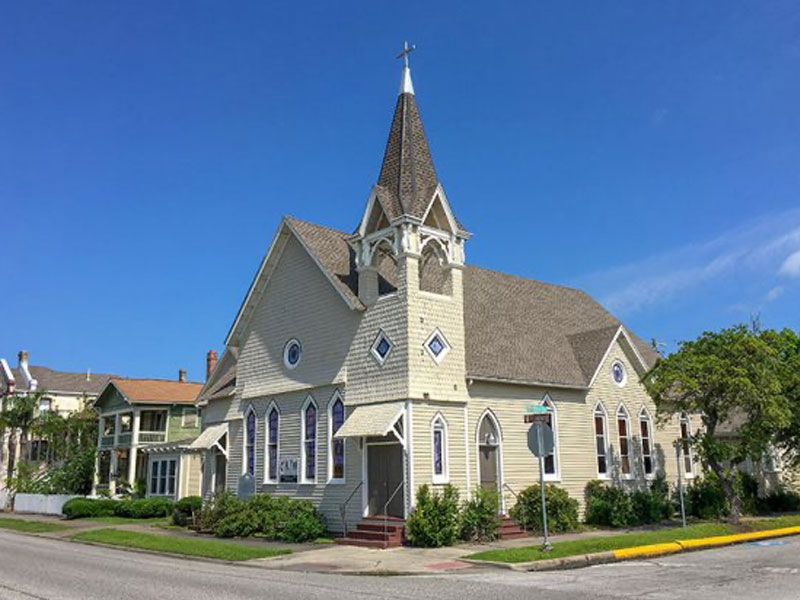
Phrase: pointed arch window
(336, 445)
(250, 442)
(273, 441)
(686, 446)
(601, 441)
(309, 441)
(439, 445)
(646, 437)
(551, 466)
(623, 429)
(434, 272)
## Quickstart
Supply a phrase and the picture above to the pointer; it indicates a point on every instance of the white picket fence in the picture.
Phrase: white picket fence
(40, 504)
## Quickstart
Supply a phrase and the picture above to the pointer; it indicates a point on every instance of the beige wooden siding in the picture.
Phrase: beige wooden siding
(576, 455)
(326, 496)
(299, 302)
(191, 474)
(423, 414)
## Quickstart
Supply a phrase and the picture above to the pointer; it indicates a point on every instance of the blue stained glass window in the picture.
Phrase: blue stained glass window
(273, 444)
(311, 442)
(337, 419)
(438, 463)
(383, 348)
(618, 372)
(251, 443)
(293, 353)
(436, 345)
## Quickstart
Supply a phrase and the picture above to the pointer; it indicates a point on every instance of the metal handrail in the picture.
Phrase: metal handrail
(386, 508)
(343, 506)
(516, 497)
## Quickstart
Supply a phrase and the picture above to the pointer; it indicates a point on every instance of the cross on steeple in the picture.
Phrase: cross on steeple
(406, 51)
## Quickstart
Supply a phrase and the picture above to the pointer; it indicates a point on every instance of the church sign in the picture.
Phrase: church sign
(288, 470)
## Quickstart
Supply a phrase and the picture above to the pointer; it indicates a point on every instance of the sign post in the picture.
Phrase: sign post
(540, 443)
(678, 448)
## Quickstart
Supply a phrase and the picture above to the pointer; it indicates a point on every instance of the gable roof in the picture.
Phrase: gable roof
(157, 391)
(517, 329)
(50, 380)
(222, 381)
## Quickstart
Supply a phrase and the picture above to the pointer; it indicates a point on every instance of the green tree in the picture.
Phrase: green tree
(18, 413)
(730, 378)
(787, 344)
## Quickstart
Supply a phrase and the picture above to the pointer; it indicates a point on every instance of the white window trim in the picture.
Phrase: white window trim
(374, 348)
(688, 419)
(164, 459)
(547, 402)
(286, 347)
(437, 359)
(600, 410)
(622, 413)
(303, 438)
(644, 416)
(250, 409)
(624, 373)
(267, 480)
(440, 423)
(337, 396)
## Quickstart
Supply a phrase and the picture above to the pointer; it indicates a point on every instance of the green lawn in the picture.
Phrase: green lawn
(126, 520)
(177, 545)
(31, 526)
(616, 542)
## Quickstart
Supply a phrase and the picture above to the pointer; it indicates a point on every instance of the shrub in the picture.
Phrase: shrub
(241, 523)
(611, 506)
(217, 508)
(780, 501)
(144, 508)
(562, 511)
(274, 517)
(79, 508)
(187, 511)
(747, 491)
(435, 520)
(705, 498)
(480, 521)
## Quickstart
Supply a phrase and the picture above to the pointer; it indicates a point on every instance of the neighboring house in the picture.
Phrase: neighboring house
(144, 426)
(361, 366)
(63, 392)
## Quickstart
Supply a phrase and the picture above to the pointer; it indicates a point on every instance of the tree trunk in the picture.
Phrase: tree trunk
(12, 455)
(728, 488)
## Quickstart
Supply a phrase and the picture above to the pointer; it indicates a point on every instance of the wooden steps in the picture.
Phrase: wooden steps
(376, 532)
(509, 530)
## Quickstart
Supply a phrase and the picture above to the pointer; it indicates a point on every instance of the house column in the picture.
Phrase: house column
(134, 453)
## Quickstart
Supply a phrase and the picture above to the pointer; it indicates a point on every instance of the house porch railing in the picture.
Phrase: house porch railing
(152, 437)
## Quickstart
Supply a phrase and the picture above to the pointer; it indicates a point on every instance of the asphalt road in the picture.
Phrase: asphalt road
(48, 569)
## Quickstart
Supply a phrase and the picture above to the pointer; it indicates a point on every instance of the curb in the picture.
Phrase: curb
(638, 552)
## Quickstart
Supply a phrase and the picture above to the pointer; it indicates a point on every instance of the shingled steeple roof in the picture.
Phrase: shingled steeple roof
(407, 179)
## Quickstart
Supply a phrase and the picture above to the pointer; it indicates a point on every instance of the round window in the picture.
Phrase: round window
(291, 354)
(618, 373)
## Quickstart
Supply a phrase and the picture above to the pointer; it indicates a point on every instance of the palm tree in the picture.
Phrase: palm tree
(18, 415)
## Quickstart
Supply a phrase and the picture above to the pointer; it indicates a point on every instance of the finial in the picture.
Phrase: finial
(406, 87)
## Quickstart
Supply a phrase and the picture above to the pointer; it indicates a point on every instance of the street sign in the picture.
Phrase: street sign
(540, 439)
(536, 413)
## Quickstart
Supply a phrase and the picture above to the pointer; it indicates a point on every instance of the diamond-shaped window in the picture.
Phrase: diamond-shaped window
(437, 346)
(381, 347)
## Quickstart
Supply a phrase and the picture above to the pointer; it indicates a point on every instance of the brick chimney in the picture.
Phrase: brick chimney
(211, 362)
(22, 357)
(182, 375)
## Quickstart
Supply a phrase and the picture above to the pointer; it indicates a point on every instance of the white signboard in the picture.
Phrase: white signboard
(288, 470)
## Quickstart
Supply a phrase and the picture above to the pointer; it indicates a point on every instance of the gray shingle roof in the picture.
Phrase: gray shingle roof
(62, 381)
(516, 329)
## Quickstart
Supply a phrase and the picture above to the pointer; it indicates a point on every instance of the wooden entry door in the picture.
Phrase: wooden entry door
(488, 467)
(384, 475)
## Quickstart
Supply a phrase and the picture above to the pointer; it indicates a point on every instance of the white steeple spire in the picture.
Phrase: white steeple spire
(406, 87)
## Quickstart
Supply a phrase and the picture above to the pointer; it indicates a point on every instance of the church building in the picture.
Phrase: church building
(363, 365)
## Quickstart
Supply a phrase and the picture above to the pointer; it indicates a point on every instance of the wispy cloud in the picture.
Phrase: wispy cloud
(791, 266)
(775, 293)
(759, 247)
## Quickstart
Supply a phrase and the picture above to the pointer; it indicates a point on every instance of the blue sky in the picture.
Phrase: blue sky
(646, 152)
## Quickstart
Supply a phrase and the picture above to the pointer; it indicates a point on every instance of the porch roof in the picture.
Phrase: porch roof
(210, 436)
(371, 420)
